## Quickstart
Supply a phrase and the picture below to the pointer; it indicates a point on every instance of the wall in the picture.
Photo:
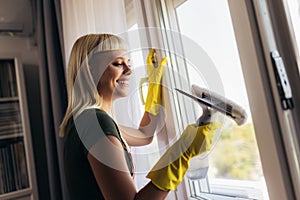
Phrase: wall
(21, 46)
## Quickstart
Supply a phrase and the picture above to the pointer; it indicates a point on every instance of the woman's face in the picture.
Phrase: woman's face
(114, 82)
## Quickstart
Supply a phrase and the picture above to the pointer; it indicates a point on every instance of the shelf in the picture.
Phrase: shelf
(17, 172)
(11, 136)
(8, 99)
(16, 194)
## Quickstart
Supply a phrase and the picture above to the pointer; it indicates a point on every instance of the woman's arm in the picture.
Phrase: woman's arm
(144, 134)
(111, 172)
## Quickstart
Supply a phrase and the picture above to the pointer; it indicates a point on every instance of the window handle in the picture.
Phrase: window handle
(282, 82)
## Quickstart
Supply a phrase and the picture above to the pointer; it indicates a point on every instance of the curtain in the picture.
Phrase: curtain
(53, 97)
(59, 24)
(81, 17)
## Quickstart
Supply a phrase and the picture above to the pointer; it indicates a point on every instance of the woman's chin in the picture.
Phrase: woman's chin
(119, 93)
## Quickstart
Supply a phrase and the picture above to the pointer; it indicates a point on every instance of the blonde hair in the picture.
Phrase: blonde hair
(82, 89)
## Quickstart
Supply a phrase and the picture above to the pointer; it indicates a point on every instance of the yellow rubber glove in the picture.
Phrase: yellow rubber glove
(169, 171)
(155, 73)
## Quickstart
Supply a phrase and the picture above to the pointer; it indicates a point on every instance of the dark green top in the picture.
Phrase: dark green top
(89, 127)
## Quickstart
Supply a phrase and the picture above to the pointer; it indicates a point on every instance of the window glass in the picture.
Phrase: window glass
(234, 163)
(129, 111)
(294, 14)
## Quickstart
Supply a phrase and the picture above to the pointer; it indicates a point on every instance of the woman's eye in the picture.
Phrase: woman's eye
(118, 64)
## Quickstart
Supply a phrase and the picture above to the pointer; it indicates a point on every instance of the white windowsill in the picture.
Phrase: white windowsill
(225, 189)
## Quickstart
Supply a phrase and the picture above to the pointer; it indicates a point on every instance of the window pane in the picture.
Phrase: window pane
(129, 111)
(234, 163)
(294, 15)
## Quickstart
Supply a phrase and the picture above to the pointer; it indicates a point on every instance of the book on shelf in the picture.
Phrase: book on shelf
(12, 83)
(1, 89)
(3, 78)
(8, 83)
(14, 174)
(10, 118)
(3, 82)
(1, 173)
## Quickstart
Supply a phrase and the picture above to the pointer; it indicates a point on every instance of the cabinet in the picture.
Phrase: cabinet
(17, 171)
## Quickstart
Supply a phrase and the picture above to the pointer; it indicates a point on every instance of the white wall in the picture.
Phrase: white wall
(20, 46)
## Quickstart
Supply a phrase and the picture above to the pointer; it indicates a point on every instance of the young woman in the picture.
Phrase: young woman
(97, 160)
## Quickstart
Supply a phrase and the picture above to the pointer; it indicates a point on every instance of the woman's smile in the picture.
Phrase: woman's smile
(123, 82)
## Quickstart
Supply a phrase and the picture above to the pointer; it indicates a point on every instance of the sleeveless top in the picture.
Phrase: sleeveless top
(88, 128)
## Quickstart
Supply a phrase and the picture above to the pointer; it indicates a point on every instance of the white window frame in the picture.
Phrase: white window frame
(276, 129)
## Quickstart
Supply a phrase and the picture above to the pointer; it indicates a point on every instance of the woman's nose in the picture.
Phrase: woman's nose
(127, 69)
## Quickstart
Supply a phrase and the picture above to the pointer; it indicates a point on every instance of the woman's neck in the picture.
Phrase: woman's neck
(106, 106)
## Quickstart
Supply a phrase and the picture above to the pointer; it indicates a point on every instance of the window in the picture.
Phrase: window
(144, 157)
(234, 164)
(293, 7)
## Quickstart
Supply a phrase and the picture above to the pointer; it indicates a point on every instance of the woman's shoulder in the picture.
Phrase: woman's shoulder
(92, 124)
(91, 113)
(94, 117)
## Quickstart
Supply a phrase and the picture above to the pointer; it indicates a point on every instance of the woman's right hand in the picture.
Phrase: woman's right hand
(198, 139)
(169, 171)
